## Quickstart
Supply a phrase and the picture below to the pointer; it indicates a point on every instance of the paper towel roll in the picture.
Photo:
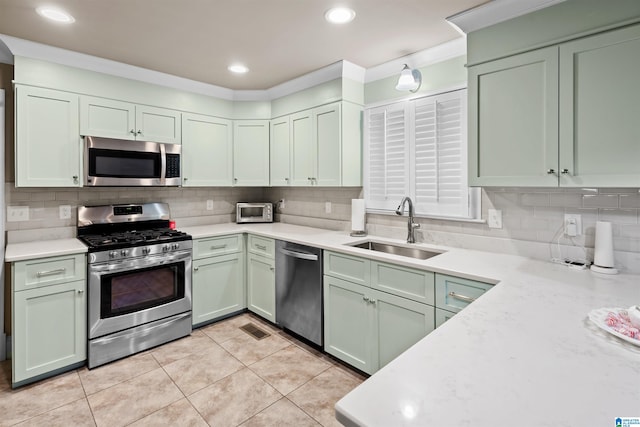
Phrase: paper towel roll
(603, 252)
(357, 214)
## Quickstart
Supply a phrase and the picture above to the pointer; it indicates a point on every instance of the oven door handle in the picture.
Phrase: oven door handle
(140, 263)
(163, 164)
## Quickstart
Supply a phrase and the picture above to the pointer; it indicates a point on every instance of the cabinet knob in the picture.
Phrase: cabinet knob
(80, 291)
(132, 132)
(235, 179)
(184, 179)
(551, 171)
(272, 268)
(75, 179)
(195, 268)
(286, 179)
(309, 178)
(565, 171)
(139, 132)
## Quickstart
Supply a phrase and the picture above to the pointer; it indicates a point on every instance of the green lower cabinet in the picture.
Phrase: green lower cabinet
(49, 329)
(217, 287)
(400, 323)
(442, 316)
(261, 286)
(348, 320)
(454, 293)
(367, 328)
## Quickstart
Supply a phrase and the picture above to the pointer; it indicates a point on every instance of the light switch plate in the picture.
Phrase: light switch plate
(17, 213)
(495, 218)
(209, 205)
(327, 207)
(572, 222)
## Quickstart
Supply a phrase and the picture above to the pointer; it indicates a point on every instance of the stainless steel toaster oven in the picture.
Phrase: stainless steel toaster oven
(254, 212)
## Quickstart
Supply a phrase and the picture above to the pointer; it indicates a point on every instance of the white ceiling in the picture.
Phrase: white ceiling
(278, 40)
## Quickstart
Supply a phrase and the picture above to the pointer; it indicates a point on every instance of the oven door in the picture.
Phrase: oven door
(124, 294)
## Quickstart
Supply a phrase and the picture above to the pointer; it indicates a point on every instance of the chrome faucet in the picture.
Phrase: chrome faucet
(411, 226)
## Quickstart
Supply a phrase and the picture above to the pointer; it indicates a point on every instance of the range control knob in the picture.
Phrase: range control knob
(124, 252)
(166, 248)
(146, 250)
(175, 246)
(113, 254)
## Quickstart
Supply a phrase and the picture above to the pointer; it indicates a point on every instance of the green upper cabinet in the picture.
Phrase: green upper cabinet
(564, 115)
(325, 147)
(207, 151)
(599, 110)
(513, 120)
(117, 119)
(279, 152)
(302, 150)
(47, 139)
(251, 153)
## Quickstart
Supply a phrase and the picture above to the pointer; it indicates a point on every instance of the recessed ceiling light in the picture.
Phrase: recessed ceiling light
(339, 15)
(237, 68)
(54, 14)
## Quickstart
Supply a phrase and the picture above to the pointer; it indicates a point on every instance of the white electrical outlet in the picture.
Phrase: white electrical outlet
(572, 225)
(17, 213)
(327, 207)
(495, 218)
(209, 205)
(281, 203)
(65, 212)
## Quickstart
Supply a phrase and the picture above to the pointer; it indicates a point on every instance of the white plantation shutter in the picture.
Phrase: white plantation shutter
(418, 149)
(440, 162)
(386, 156)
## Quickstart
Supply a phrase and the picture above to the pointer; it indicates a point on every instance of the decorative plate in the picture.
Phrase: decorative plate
(599, 317)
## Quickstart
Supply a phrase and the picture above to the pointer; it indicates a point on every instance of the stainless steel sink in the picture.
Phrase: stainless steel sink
(396, 250)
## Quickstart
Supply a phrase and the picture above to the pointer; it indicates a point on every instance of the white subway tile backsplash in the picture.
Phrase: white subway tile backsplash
(535, 199)
(566, 200)
(619, 216)
(600, 200)
(630, 201)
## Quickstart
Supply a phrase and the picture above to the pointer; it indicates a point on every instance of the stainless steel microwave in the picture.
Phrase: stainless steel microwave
(116, 162)
(254, 212)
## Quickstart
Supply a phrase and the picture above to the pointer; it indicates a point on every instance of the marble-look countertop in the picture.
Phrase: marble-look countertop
(43, 249)
(523, 354)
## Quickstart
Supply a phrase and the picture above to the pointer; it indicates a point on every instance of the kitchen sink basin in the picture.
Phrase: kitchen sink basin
(396, 250)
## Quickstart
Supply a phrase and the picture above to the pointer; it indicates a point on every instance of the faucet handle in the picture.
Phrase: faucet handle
(415, 225)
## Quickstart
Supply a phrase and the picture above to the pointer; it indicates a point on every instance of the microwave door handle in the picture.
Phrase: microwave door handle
(163, 165)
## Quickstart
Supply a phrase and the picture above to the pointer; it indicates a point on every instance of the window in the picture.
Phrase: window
(419, 148)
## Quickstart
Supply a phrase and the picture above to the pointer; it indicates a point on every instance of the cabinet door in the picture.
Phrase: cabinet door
(513, 120)
(348, 321)
(328, 145)
(599, 110)
(442, 316)
(207, 151)
(217, 287)
(400, 323)
(303, 157)
(49, 329)
(47, 138)
(107, 118)
(280, 152)
(251, 153)
(261, 286)
(158, 125)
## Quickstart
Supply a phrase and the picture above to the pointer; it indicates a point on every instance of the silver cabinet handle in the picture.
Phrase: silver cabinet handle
(132, 132)
(365, 298)
(373, 301)
(195, 268)
(286, 179)
(50, 272)
(261, 247)
(551, 171)
(139, 132)
(218, 247)
(565, 171)
(80, 291)
(461, 297)
(272, 268)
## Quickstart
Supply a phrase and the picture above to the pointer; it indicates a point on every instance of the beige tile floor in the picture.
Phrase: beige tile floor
(218, 376)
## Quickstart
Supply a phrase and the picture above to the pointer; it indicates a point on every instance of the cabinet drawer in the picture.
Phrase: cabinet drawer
(442, 316)
(454, 293)
(48, 271)
(262, 246)
(211, 246)
(406, 282)
(346, 267)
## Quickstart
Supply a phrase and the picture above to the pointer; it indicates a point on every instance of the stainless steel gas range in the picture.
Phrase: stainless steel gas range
(139, 279)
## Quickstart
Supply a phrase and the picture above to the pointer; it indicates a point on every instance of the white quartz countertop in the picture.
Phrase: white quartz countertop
(523, 354)
(43, 249)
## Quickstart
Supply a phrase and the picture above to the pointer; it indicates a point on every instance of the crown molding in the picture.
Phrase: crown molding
(494, 12)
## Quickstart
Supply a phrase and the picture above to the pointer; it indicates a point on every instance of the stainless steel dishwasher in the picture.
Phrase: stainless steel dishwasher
(299, 290)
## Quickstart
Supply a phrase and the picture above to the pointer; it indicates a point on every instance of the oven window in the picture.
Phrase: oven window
(141, 289)
(123, 164)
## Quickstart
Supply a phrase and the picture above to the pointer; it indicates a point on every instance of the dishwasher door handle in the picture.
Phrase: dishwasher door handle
(300, 255)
